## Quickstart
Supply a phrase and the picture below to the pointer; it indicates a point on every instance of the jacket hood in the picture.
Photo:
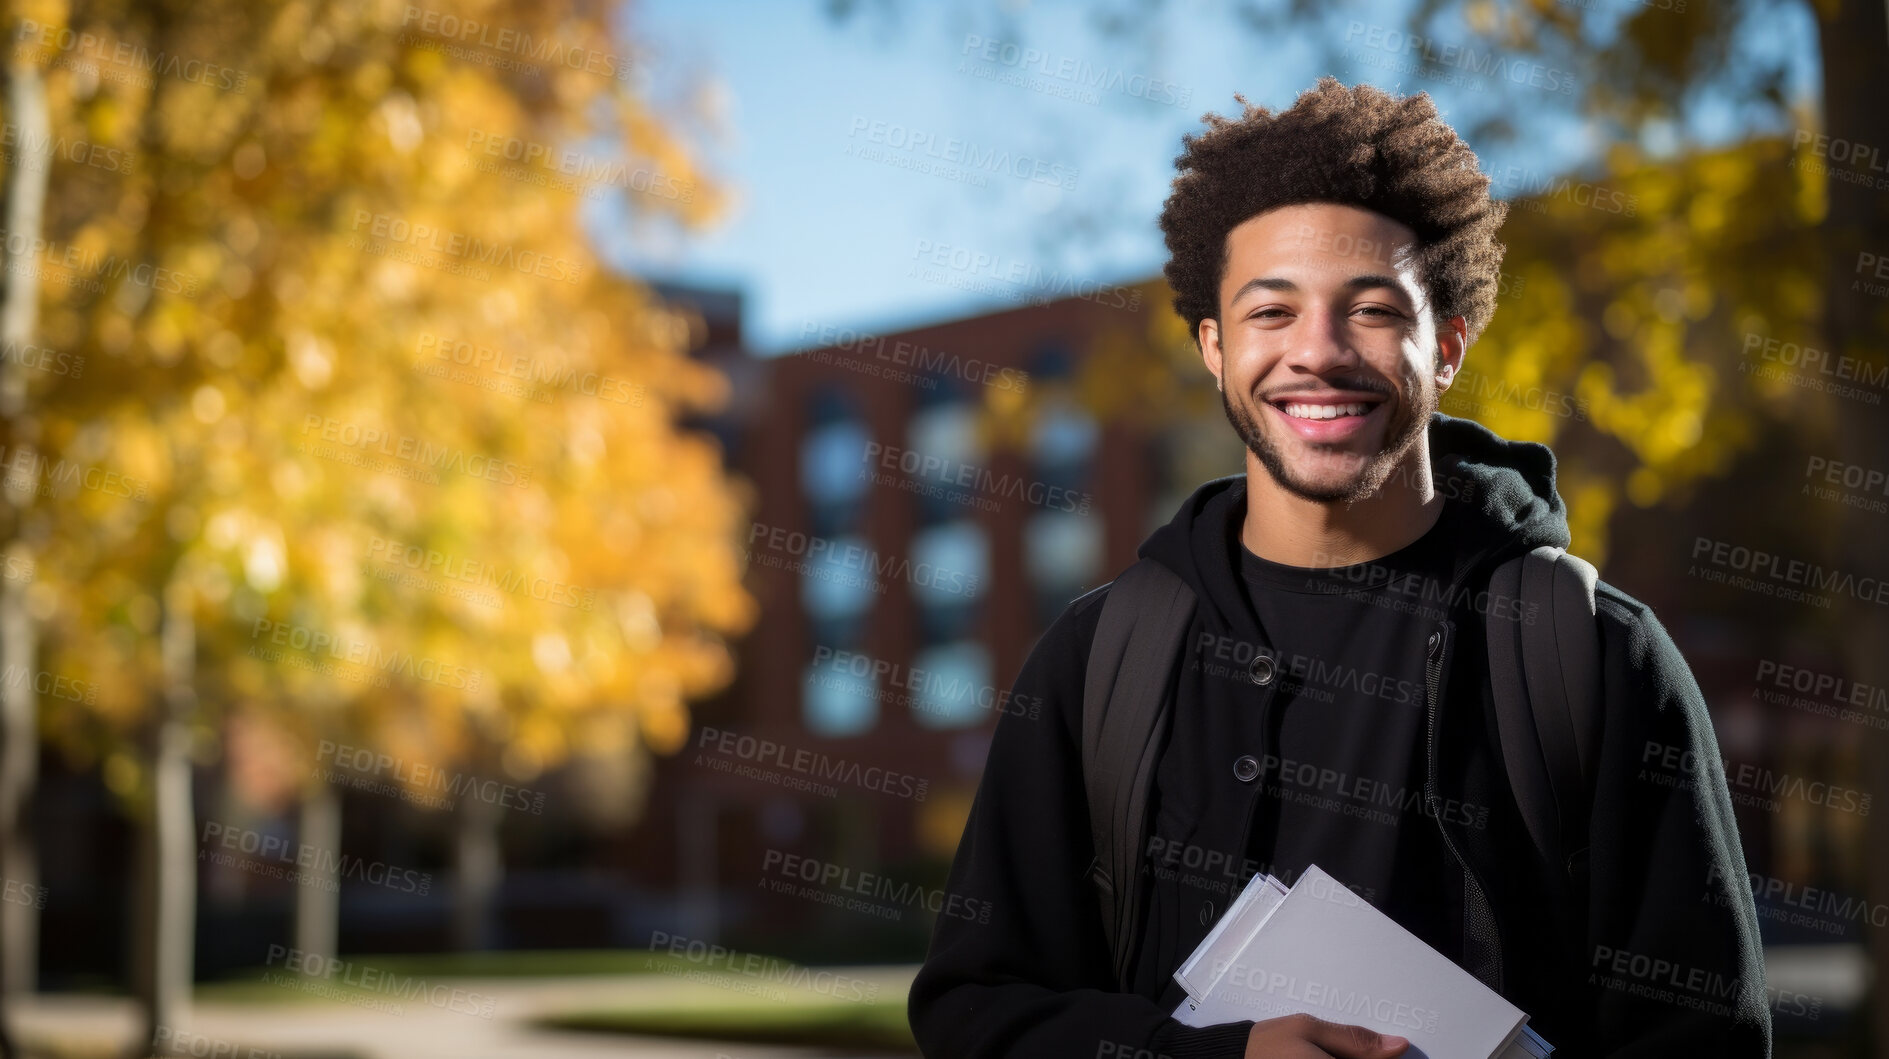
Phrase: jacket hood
(1508, 487)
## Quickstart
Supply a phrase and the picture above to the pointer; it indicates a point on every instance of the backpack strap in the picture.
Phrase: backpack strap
(1124, 716)
(1544, 670)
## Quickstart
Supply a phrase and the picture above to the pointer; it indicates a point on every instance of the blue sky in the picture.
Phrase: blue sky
(820, 126)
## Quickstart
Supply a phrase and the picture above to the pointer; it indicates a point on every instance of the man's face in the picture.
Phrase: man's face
(1326, 347)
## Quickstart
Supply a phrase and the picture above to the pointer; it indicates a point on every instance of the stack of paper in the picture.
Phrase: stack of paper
(1319, 949)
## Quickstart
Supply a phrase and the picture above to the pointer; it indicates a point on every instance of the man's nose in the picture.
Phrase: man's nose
(1321, 343)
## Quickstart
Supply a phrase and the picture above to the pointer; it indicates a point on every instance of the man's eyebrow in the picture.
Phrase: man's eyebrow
(1275, 283)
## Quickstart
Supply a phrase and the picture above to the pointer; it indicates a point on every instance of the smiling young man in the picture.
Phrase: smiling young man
(1332, 702)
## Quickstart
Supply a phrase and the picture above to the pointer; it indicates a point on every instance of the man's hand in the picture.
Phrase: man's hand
(1307, 1037)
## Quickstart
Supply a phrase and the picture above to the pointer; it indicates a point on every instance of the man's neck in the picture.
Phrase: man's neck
(1284, 528)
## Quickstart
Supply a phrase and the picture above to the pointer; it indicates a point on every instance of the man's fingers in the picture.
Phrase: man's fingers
(1351, 1042)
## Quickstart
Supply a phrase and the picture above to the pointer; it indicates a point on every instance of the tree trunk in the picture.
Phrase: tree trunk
(698, 888)
(170, 866)
(477, 871)
(25, 192)
(318, 899)
(19, 774)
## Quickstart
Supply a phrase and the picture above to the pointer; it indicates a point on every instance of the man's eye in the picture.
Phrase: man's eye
(1272, 313)
(1376, 310)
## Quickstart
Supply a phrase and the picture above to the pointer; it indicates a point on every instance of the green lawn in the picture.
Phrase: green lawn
(723, 1005)
(716, 1006)
(878, 1025)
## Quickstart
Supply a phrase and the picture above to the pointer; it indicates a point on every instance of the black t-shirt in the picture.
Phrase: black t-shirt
(1342, 785)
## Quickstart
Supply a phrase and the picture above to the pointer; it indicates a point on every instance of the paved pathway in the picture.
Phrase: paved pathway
(331, 1030)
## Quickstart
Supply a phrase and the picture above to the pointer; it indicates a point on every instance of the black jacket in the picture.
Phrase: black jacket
(1665, 958)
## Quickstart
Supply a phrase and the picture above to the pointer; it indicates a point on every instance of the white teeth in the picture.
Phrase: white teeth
(1324, 411)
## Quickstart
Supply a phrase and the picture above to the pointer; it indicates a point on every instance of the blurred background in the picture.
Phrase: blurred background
(520, 518)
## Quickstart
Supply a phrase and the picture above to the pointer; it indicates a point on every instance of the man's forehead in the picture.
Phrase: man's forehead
(1383, 248)
(1363, 240)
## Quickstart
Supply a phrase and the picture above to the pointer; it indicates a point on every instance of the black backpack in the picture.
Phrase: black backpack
(1544, 675)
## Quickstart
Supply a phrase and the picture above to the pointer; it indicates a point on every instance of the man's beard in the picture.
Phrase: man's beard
(1412, 418)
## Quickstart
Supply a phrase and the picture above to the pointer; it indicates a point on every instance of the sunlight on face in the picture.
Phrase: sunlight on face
(1326, 347)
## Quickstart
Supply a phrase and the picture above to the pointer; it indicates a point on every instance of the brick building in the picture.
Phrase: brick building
(904, 567)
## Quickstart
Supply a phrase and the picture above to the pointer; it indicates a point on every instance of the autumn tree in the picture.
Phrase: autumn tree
(329, 203)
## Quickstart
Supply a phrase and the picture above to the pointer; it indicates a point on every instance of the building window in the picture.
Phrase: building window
(837, 588)
(1062, 448)
(950, 573)
(1063, 553)
(1062, 541)
(832, 463)
(1053, 360)
(837, 701)
(954, 686)
(942, 461)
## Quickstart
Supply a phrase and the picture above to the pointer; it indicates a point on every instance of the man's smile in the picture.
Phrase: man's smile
(1327, 417)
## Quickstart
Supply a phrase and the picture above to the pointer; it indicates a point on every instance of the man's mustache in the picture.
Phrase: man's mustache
(1380, 387)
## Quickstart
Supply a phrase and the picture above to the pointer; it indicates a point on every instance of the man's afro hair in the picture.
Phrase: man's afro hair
(1354, 146)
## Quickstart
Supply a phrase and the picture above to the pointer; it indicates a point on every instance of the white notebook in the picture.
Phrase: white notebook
(1320, 949)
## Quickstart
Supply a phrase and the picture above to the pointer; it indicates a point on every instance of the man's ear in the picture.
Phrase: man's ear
(1452, 344)
(1207, 338)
